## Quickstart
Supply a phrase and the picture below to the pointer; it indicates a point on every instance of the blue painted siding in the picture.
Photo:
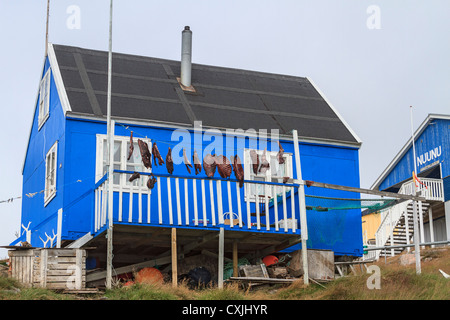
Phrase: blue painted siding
(43, 219)
(432, 147)
(338, 231)
(446, 183)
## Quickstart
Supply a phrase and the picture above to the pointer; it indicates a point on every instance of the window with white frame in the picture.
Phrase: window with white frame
(50, 173)
(275, 173)
(121, 162)
(44, 98)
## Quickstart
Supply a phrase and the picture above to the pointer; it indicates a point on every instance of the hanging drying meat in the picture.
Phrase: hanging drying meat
(186, 161)
(264, 163)
(151, 182)
(134, 176)
(209, 165)
(169, 161)
(131, 148)
(280, 154)
(197, 163)
(156, 155)
(145, 154)
(238, 170)
(223, 166)
(255, 161)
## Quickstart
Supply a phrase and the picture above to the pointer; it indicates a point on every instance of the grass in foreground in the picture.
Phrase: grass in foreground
(396, 283)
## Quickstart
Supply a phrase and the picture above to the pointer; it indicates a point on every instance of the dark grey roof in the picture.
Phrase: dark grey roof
(146, 88)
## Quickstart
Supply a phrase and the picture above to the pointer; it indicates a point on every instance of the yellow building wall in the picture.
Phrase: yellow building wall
(370, 224)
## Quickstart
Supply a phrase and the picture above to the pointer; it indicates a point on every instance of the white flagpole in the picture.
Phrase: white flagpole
(110, 160)
(416, 227)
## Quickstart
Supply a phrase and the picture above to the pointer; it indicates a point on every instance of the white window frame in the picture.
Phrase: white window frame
(51, 168)
(44, 99)
(268, 176)
(121, 182)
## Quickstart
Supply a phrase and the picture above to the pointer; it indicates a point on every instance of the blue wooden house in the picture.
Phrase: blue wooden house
(431, 149)
(221, 111)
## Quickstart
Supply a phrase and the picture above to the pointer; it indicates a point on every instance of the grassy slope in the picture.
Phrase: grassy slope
(397, 283)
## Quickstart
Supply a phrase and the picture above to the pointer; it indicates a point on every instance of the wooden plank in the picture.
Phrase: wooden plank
(221, 255)
(43, 268)
(79, 264)
(72, 252)
(134, 267)
(214, 255)
(254, 270)
(366, 191)
(235, 258)
(262, 280)
(174, 258)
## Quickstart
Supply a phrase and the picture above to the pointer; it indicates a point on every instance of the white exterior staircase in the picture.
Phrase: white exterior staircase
(397, 225)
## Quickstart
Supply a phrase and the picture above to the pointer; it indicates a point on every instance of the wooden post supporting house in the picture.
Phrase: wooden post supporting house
(235, 258)
(174, 258)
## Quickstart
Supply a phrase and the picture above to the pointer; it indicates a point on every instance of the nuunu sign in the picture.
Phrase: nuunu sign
(429, 156)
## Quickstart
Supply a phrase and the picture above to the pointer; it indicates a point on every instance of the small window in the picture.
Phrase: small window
(276, 173)
(44, 98)
(50, 174)
(121, 147)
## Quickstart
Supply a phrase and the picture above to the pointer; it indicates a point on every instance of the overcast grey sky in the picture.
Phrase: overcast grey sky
(371, 59)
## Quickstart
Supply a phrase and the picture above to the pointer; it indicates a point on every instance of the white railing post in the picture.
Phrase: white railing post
(169, 201)
(211, 195)
(158, 183)
(205, 221)
(186, 201)
(302, 206)
(238, 200)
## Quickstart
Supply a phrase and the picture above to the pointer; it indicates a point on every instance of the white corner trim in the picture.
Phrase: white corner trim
(335, 111)
(58, 79)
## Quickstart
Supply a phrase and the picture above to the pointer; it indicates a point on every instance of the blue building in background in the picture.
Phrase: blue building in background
(223, 111)
(432, 157)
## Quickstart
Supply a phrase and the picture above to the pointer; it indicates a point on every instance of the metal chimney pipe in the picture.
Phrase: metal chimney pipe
(186, 56)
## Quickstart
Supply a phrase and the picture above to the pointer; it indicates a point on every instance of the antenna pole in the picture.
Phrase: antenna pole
(46, 27)
(110, 144)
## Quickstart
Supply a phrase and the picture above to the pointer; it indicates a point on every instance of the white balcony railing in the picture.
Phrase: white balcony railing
(188, 201)
(431, 189)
